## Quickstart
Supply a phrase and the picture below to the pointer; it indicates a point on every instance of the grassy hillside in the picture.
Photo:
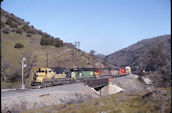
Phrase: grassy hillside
(15, 30)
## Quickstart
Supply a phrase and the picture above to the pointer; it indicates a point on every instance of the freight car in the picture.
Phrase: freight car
(60, 75)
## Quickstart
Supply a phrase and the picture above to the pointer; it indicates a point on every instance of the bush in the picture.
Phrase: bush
(46, 35)
(47, 41)
(13, 30)
(20, 31)
(26, 28)
(13, 25)
(29, 35)
(40, 32)
(19, 45)
(6, 30)
(69, 45)
(32, 27)
(13, 19)
(58, 42)
(9, 22)
(15, 77)
(31, 31)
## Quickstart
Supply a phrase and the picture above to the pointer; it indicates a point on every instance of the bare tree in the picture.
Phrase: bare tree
(15, 76)
(31, 62)
(4, 66)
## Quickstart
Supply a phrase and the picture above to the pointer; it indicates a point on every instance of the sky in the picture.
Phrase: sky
(105, 26)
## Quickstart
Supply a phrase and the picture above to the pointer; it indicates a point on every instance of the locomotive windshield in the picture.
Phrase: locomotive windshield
(40, 71)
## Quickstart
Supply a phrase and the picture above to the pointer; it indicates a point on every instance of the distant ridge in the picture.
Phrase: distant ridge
(132, 55)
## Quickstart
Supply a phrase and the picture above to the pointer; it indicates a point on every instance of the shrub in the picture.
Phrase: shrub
(20, 31)
(40, 32)
(15, 77)
(30, 31)
(6, 30)
(13, 30)
(29, 35)
(45, 35)
(13, 25)
(19, 45)
(26, 28)
(9, 22)
(32, 26)
(13, 19)
(51, 41)
(58, 42)
(69, 45)
(47, 41)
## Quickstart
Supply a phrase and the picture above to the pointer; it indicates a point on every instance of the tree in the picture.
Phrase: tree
(47, 41)
(31, 63)
(15, 76)
(19, 45)
(4, 66)
(92, 52)
(51, 41)
(58, 42)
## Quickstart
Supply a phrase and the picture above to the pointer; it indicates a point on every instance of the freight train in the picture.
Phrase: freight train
(45, 77)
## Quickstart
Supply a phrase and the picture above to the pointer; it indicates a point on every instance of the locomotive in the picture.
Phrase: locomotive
(60, 75)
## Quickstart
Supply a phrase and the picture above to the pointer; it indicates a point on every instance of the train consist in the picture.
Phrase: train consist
(45, 77)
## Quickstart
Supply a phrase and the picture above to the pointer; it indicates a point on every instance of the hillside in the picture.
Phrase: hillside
(35, 47)
(131, 55)
(151, 55)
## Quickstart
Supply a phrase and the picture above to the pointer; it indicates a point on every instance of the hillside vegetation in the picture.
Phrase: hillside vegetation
(19, 39)
(150, 55)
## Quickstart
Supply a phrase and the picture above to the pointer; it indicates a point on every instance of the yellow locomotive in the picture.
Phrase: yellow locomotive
(43, 75)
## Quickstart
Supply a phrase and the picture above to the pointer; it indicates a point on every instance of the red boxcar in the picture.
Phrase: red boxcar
(122, 71)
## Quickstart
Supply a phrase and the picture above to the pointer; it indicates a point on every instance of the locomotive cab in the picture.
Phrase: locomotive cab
(42, 74)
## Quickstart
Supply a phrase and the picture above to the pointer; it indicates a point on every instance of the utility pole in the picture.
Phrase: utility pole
(47, 58)
(23, 66)
(77, 46)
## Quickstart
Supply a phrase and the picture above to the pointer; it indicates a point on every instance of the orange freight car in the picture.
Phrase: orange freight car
(122, 71)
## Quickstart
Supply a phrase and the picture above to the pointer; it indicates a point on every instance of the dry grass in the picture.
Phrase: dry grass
(117, 103)
(61, 56)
